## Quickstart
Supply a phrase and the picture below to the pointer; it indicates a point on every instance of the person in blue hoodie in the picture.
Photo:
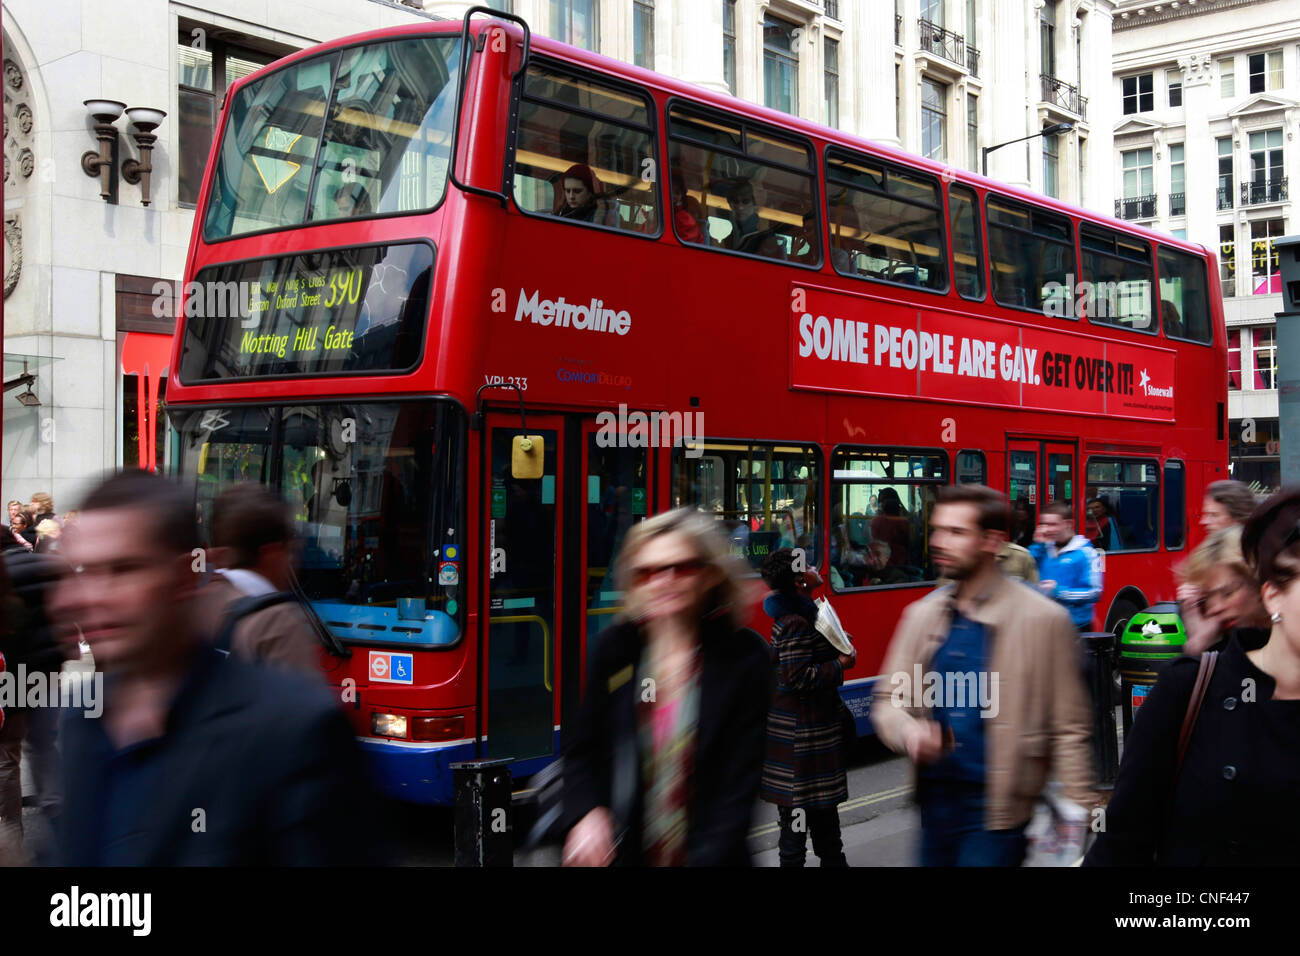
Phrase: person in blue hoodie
(1069, 567)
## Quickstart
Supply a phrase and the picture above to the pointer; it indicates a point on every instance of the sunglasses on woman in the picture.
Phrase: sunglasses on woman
(687, 568)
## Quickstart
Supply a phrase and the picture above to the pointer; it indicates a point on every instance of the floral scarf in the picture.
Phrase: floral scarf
(667, 761)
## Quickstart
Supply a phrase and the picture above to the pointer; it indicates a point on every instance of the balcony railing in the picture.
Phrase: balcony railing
(935, 39)
(1139, 207)
(1060, 93)
(898, 29)
(833, 9)
(973, 61)
(1225, 197)
(1178, 204)
(1271, 190)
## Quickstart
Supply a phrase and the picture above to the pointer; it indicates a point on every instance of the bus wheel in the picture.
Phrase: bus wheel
(1120, 614)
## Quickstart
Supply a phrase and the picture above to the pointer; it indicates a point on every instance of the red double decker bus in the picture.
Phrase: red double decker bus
(416, 246)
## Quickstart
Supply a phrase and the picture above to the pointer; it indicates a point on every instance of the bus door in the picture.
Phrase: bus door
(1038, 473)
(523, 562)
(616, 489)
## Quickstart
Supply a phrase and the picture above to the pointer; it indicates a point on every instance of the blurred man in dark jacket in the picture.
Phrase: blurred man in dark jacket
(198, 759)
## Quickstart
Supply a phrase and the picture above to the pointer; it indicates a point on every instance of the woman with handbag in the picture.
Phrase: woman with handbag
(664, 762)
(1211, 769)
(804, 771)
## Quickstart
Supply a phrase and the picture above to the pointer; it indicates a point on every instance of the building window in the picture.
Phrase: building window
(972, 131)
(1047, 37)
(729, 43)
(781, 64)
(1228, 259)
(1265, 167)
(1227, 84)
(1225, 172)
(1234, 359)
(1139, 183)
(204, 76)
(643, 33)
(1138, 96)
(1264, 346)
(1051, 166)
(1177, 182)
(576, 22)
(1257, 462)
(1265, 71)
(934, 118)
(1174, 79)
(932, 10)
(971, 23)
(832, 82)
(1264, 277)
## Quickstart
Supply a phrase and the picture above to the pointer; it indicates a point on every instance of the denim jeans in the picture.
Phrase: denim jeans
(824, 823)
(953, 833)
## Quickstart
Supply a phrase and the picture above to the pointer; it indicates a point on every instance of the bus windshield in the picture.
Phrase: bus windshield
(374, 491)
(359, 132)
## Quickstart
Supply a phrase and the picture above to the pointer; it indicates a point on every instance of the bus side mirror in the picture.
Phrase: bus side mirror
(527, 456)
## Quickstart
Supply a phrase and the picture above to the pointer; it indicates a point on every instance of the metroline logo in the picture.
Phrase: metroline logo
(592, 317)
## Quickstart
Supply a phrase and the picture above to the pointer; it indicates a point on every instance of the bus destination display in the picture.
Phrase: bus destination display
(346, 310)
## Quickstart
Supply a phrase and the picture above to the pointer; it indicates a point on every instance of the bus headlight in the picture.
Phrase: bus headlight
(388, 725)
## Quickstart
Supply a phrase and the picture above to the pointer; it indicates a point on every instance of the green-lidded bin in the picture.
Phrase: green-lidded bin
(1151, 639)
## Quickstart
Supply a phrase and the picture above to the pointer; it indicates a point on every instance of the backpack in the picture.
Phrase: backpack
(240, 609)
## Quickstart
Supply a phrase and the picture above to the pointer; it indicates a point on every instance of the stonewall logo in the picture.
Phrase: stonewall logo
(1151, 391)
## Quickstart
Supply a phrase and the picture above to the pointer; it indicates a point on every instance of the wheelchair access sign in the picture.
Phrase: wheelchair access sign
(392, 668)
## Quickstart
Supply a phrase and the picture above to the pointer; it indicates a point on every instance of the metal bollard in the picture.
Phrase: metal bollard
(1099, 676)
(484, 828)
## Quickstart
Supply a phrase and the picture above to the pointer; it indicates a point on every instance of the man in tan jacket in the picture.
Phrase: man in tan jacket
(253, 545)
(981, 690)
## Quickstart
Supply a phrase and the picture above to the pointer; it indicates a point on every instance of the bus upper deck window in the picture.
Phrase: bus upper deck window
(1118, 268)
(741, 188)
(1184, 295)
(585, 152)
(347, 134)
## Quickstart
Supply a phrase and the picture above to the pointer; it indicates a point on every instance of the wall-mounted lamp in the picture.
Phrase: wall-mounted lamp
(104, 164)
(145, 121)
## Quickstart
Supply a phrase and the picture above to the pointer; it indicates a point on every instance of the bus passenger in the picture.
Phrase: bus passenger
(881, 569)
(1173, 322)
(1109, 535)
(351, 199)
(688, 217)
(669, 778)
(891, 526)
(748, 234)
(581, 197)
